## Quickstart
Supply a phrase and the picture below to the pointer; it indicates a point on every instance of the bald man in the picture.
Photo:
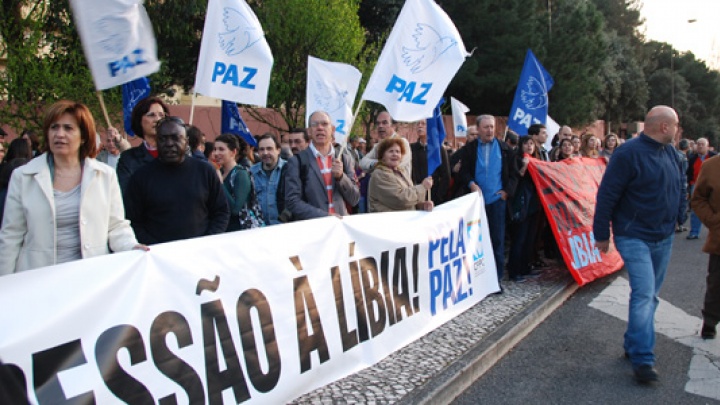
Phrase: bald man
(642, 194)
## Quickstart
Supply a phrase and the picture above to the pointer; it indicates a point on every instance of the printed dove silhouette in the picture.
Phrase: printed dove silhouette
(113, 34)
(239, 34)
(329, 99)
(534, 97)
(429, 46)
(135, 96)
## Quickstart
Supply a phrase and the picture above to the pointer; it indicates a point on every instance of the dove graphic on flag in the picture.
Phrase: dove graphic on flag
(459, 119)
(132, 93)
(423, 53)
(118, 40)
(235, 60)
(332, 87)
(530, 105)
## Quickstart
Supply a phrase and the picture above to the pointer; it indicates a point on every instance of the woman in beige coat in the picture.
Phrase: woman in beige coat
(63, 205)
(390, 188)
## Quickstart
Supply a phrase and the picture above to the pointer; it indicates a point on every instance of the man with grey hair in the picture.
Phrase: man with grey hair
(695, 161)
(487, 166)
(317, 183)
(564, 133)
(641, 195)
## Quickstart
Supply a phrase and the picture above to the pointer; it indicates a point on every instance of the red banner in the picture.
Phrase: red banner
(567, 190)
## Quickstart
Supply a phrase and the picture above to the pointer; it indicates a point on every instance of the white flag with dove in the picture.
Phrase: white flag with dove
(118, 40)
(459, 119)
(235, 59)
(332, 87)
(422, 54)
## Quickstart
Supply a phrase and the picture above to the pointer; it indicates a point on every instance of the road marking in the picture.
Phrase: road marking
(673, 322)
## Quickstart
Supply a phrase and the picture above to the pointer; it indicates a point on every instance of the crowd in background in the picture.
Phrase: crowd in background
(176, 185)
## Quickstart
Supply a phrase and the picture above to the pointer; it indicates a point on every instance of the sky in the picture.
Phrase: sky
(667, 21)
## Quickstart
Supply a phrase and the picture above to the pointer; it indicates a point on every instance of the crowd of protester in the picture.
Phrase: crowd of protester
(300, 175)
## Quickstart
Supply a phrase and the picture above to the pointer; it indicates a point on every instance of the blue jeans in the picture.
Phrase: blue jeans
(695, 223)
(496, 222)
(646, 264)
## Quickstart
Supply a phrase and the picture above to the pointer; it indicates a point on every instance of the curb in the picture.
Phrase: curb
(457, 377)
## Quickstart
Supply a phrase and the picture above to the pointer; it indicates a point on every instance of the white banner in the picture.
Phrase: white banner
(459, 119)
(552, 128)
(258, 316)
(235, 59)
(332, 87)
(118, 40)
(421, 56)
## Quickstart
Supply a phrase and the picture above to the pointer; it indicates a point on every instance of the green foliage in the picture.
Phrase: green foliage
(45, 63)
(325, 29)
(502, 31)
(178, 27)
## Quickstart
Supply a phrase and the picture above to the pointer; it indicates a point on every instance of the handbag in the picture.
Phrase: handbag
(250, 215)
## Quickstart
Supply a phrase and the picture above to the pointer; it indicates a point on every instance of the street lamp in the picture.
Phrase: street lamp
(672, 70)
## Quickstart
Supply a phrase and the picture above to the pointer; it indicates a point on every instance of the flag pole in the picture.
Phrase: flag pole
(352, 122)
(103, 108)
(192, 108)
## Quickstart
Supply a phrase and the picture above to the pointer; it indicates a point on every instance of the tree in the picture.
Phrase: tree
(178, 27)
(575, 58)
(486, 81)
(625, 92)
(45, 62)
(327, 29)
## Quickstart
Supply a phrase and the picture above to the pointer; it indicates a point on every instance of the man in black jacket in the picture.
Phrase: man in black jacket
(488, 167)
(441, 175)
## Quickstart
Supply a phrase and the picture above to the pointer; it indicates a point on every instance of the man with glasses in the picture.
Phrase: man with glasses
(175, 197)
(317, 183)
(386, 128)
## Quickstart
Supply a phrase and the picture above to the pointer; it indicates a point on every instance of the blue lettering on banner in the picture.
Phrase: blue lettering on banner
(407, 90)
(127, 62)
(461, 128)
(450, 278)
(231, 73)
(340, 127)
(584, 250)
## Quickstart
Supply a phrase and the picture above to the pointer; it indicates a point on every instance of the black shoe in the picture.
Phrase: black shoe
(708, 331)
(692, 237)
(645, 373)
(517, 279)
(539, 264)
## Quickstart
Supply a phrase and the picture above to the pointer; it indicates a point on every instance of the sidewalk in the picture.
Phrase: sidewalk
(440, 365)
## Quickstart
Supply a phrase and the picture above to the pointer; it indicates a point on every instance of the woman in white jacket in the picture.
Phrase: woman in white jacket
(63, 205)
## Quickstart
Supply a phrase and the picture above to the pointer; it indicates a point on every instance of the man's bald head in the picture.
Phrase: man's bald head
(661, 124)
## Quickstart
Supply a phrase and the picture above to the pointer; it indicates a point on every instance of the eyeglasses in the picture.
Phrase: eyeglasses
(315, 124)
(151, 114)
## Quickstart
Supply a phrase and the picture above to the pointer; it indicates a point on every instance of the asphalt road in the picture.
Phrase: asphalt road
(576, 355)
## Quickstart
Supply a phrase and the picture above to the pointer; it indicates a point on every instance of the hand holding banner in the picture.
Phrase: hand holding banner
(235, 59)
(332, 87)
(421, 56)
(459, 119)
(530, 105)
(118, 40)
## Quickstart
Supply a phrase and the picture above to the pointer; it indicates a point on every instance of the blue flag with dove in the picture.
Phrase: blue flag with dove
(530, 105)
(232, 123)
(132, 93)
